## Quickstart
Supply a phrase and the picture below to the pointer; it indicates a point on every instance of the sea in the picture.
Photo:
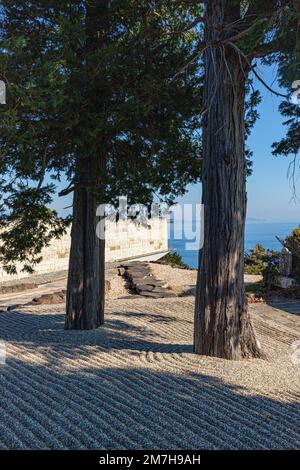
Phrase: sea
(256, 232)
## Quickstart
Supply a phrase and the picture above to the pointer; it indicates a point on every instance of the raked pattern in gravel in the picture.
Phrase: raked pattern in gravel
(135, 384)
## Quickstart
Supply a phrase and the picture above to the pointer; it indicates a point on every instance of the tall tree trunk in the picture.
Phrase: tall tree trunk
(222, 324)
(86, 276)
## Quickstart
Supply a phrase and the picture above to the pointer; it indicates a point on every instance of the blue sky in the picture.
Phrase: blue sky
(269, 190)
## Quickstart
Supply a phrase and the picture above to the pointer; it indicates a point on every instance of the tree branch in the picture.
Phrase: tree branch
(252, 68)
(198, 20)
(69, 189)
(44, 165)
(267, 49)
(267, 86)
(243, 32)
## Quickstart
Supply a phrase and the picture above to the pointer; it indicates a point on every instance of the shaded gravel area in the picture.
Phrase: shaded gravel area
(135, 383)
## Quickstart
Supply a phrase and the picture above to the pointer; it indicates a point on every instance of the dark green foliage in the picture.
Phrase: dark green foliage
(271, 271)
(28, 124)
(27, 227)
(144, 118)
(141, 120)
(269, 32)
(289, 76)
(70, 97)
(251, 116)
(255, 261)
(174, 260)
(289, 145)
(258, 259)
(257, 288)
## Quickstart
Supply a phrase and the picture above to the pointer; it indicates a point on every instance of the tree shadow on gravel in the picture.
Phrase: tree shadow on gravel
(47, 329)
(101, 389)
(114, 404)
(287, 305)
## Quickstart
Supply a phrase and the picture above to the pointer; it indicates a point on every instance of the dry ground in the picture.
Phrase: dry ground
(135, 383)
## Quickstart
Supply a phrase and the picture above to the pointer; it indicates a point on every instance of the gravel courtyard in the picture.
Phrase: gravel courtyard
(135, 384)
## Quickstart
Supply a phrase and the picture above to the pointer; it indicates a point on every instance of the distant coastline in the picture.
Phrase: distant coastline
(256, 232)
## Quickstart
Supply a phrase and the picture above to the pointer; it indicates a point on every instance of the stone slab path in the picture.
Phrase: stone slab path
(143, 282)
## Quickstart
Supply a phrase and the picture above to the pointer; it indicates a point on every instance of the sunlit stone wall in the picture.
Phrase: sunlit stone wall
(124, 240)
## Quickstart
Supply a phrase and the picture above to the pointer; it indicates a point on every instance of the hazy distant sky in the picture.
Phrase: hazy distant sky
(269, 190)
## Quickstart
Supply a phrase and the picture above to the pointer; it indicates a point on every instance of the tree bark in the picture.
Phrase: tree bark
(86, 276)
(222, 324)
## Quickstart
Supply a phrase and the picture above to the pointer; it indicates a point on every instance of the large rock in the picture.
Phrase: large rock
(50, 299)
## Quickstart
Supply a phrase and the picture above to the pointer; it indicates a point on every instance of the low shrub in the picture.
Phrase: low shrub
(257, 287)
(174, 260)
(270, 272)
(258, 259)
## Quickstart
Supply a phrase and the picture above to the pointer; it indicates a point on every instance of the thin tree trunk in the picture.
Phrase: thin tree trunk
(222, 324)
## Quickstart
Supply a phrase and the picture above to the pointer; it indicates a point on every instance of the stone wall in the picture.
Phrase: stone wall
(124, 240)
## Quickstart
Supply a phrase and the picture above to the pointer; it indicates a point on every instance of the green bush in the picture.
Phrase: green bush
(174, 260)
(258, 259)
(270, 272)
(256, 288)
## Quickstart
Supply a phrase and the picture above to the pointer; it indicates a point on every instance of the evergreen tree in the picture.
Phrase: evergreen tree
(27, 224)
(289, 78)
(99, 104)
(234, 36)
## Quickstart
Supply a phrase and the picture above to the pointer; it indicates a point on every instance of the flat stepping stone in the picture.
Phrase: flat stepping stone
(144, 288)
(142, 281)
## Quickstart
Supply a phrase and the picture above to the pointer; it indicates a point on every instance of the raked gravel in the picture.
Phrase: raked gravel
(183, 281)
(135, 383)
